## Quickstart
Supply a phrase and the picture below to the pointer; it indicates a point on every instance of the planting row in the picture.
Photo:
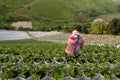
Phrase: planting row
(46, 60)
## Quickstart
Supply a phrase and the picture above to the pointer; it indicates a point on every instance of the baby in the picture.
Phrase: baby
(74, 33)
(74, 36)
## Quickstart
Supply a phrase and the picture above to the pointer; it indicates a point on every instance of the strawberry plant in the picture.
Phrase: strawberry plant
(42, 60)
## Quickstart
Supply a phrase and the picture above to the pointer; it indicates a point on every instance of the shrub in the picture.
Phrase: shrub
(24, 29)
(86, 27)
(6, 26)
(15, 17)
(4, 9)
(98, 28)
(68, 26)
(114, 27)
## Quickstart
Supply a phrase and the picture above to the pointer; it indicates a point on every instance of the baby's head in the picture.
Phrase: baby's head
(74, 33)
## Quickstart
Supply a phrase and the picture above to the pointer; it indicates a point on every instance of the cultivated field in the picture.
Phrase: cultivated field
(40, 59)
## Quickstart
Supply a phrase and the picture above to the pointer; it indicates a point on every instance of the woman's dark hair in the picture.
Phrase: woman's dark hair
(78, 28)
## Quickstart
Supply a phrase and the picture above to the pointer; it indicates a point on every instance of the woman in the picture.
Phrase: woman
(76, 42)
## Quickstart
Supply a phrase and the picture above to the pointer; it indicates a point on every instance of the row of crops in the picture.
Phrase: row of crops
(41, 60)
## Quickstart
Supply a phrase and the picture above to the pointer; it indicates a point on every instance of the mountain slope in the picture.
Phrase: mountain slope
(65, 9)
(57, 9)
(47, 15)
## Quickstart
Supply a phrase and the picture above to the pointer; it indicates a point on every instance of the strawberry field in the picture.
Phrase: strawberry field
(42, 60)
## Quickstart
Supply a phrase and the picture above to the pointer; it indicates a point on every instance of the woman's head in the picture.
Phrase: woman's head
(78, 28)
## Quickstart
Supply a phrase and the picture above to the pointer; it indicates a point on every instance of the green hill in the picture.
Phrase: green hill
(57, 9)
(43, 11)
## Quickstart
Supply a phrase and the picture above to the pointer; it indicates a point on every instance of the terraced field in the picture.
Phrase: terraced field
(41, 60)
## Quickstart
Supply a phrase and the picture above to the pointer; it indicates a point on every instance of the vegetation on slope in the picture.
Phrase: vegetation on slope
(50, 14)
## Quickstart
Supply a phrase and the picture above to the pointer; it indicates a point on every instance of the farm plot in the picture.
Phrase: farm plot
(41, 60)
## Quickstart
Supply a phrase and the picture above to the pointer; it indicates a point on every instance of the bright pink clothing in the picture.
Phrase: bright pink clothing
(71, 45)
(73, 39)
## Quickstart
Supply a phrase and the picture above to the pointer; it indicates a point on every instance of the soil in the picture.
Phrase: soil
(57, 37)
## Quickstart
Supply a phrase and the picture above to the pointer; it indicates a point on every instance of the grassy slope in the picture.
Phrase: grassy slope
(64, 9)
(12, 4)
(45, 13)
(55, 9)
(7, 6)
(58, 9)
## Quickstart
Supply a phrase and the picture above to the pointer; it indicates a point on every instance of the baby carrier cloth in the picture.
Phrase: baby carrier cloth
(78, 38)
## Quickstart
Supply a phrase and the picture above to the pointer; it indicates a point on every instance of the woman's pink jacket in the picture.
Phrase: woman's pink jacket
(71, 45)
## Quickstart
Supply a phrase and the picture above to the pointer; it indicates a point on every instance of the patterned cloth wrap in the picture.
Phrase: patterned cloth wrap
(75, 43)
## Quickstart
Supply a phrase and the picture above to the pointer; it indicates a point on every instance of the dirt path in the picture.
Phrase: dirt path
(17, 35)
(62, 38)
(90, 39)
(13, 35)
(57, 37)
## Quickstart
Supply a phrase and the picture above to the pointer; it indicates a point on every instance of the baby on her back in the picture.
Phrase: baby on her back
(74, 36)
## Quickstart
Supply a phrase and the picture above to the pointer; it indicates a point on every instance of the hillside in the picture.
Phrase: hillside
(56, 9)
(50, 12)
